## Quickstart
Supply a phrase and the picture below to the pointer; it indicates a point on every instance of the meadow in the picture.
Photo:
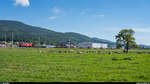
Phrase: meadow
(43, 65)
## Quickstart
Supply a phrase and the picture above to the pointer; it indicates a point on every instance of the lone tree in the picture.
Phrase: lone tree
(125, 39)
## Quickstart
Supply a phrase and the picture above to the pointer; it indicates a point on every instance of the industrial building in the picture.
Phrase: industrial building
(92, 45)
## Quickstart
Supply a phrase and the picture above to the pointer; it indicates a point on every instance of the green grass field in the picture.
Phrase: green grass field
(30, 65)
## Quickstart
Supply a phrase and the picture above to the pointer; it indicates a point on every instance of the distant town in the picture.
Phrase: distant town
(85, 45)
(82, 45)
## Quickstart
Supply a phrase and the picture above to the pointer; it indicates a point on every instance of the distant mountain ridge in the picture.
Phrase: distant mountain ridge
(23, 32)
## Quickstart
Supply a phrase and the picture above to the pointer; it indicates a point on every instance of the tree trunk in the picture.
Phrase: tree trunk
(127, 47)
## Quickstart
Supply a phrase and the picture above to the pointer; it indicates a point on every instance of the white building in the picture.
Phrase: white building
(92, 45)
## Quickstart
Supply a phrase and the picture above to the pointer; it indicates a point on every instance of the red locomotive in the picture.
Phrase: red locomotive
(25, 45)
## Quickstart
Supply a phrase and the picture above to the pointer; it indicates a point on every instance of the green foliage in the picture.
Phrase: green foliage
(125, 39)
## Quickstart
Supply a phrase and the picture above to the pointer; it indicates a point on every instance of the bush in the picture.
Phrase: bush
(114, 58)
(127, 58)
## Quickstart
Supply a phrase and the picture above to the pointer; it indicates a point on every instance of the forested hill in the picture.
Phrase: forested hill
(24, 32)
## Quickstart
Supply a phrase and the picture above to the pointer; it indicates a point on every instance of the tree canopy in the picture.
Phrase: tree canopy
(125, 39)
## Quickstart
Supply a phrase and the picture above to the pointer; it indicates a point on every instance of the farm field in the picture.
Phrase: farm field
(42, 65)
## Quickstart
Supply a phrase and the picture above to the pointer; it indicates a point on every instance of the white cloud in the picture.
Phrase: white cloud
(52, 17)
(56, 10)
(57, 13)
(84, 11)
(141, 30)
(23, 3)
(98, 15)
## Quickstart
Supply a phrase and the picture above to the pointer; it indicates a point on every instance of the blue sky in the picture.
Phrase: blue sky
(94, 18)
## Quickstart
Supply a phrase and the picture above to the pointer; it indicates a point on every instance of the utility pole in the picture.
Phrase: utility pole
(69, 43)
(12, 38)
(75, 44)
(39, 40)
(32, 40)
(5, 39)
